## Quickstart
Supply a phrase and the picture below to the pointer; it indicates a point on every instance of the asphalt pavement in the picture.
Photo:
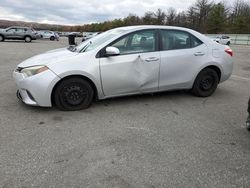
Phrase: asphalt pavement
(170, 139)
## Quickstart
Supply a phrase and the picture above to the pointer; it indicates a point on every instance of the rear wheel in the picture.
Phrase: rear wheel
(206, 83)
(1, 38)
(27, 39)
(228, 43)
(73, 94)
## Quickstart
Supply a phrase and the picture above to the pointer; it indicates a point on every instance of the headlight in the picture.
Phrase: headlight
(30, 71)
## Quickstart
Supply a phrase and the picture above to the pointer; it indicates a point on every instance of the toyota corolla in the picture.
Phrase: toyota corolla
(124, 61)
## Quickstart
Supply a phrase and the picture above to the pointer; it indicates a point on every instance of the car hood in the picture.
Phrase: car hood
(52, 56)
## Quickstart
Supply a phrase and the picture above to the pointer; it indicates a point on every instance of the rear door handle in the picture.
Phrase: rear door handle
(199, 54)
(151, 59)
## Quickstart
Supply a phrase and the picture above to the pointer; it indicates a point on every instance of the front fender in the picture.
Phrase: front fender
(95, 80)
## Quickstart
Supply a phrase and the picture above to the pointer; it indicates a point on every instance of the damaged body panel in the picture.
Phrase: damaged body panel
(134, 73)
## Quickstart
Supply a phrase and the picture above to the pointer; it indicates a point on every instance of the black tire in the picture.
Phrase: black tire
(228, 43)
(27, 39)
(205, 83)
(73, 94)
(52, 38)
(248, 121)
(1, 38)
(248, 126)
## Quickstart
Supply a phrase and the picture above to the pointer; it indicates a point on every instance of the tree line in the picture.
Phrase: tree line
(204, 16)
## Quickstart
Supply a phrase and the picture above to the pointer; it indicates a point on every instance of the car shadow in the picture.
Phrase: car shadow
(132, 99)
(136, 99)
(144, 97)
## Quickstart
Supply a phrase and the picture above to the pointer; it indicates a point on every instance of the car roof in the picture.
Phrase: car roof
(151, 27)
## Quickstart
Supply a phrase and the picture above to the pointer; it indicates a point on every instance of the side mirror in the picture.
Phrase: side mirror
(112, 51)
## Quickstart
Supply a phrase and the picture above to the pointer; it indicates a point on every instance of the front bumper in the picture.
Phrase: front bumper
(36, 90)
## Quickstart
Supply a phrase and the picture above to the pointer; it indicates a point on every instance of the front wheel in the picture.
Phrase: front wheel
(1, 38)
(73, 94)
(206, 83)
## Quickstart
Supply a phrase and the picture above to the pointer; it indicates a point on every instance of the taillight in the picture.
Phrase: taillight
(229, 51)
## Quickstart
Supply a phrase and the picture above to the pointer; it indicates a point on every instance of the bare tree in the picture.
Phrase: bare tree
(148, 18)
(192, 21)
(160, 17)
(202, 9)
(171, 16)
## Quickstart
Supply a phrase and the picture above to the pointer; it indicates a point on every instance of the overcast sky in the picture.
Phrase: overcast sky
(82, 11)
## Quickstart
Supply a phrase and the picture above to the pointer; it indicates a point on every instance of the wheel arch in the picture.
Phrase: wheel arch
(27, 36)
(74, 76)
(216, 68)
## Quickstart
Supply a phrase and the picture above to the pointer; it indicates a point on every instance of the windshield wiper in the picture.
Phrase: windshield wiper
(86, 46)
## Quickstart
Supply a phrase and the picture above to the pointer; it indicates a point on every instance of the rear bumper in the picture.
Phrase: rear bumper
(227, 64)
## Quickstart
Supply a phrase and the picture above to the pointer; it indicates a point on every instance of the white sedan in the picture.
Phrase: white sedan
(223, 39)
(124, 61)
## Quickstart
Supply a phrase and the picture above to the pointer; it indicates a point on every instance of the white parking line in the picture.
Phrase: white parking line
(241, 78)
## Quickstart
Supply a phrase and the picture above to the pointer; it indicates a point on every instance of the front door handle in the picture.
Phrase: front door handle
(199, 54)
(151, 59)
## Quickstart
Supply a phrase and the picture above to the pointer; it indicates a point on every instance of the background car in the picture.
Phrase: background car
(223, 39)
(89, 36)
(18, 33)
(124, 61)
(77, 34)
(51, 35)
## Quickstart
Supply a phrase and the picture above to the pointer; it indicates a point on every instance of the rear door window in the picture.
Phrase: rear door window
(176, 39)
(20, 30)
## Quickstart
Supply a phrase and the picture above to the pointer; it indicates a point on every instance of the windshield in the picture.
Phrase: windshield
(98, 40)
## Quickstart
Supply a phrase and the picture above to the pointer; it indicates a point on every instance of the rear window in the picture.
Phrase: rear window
(176, 39)
(195, 41)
